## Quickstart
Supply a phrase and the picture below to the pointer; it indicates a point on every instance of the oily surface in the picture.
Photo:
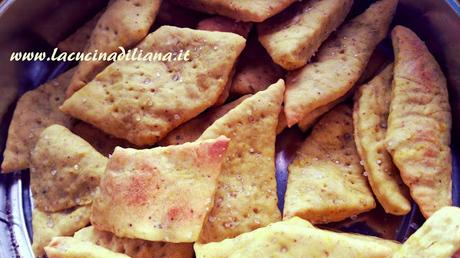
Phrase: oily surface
(142, 101)
(246, 191)
(326, 181)
(419, 123)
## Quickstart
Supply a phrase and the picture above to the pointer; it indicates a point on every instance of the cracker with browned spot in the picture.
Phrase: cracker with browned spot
(69, 247)
(339, 62)
(419, 123)
(159, 194)
(78, 40)
(64, 223)
(326, 182)
(438, 237)
(191, 130)
(135, 248)
(35, 110)
(123, 23)
(293, 36)
(297, 238)
(142, 101)
(240, 10)
(64, 170)
(370, 115)
(246, 195)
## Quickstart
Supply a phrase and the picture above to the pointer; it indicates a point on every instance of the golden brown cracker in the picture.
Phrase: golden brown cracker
(64, 170)
(293, 36)
(240, 10)
(69, 247)
(135, 248)
(193, 129)
(102, 142)
(78, 40)
(438, 237)
(142, 101)
(35, 110)
(419, 123)
(63, 223)
(297, 238)
(326, 182)
(255, 70)
(370, 115)
(159, 194)
(224, 24)
(339, 63)
(246, 194)
(123, 23)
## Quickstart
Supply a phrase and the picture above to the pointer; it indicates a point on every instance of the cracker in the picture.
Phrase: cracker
(78, 40)
(63, 223)
(64, 170)
(240, 10)
(326, 181)
(297, 238)
(224, 24)
(142, 101)
(419, 123)
(102, 142)
(135, 248)
(246, 194)
(123, 23)
(438, 237)
(160, 194)
(35, 110)
(255, 70)
(370, 115)
(339, 63)
(69, 247)
(293, 36)
(193, 129)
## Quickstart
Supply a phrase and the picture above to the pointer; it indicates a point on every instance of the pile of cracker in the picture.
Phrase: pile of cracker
(176, 159)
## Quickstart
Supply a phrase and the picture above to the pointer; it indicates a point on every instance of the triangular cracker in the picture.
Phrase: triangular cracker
(142, 101)
(246, 195)
(240, 10)
(339, 62)
(64, 170)
(419, 123)
(69, 247)
(123, 23)
(79, 39)
(63, 223)
(159, 194)
(135, 248)
(370, 114)
(326, 181)
(297, 238)
(293, 36)
(36, 110)
(438, 237)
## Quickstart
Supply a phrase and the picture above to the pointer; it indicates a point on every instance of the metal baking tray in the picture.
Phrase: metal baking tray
(435, 21)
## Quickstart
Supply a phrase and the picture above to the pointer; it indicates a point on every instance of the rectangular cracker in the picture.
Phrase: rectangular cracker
(246, 193)
(142, 101)
(419, 123)
(370, 115)
(293, 36)
(159, 194)
(297, 238)
(69, 247)
(339, 63)
(326, 181)
(64, 170)
(35, 110)
(438, 237)
(135, 248)
(64, 223)
(240, 10)
(123, 23)
(78, 40)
